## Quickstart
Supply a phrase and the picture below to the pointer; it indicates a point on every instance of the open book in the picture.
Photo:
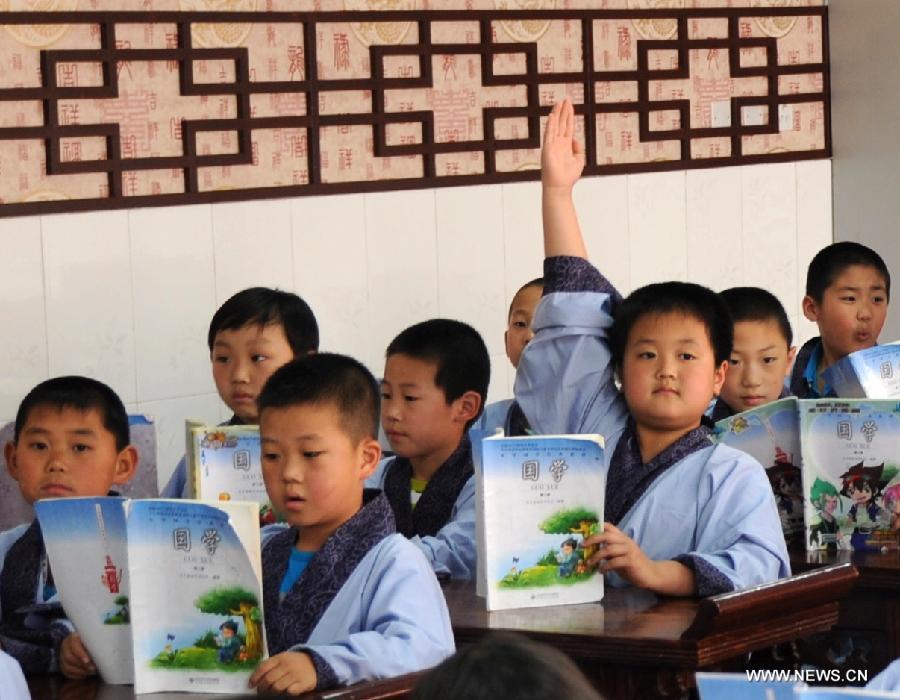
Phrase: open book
(539, 497)
(873, 373)
(166, 594)
(223, 463)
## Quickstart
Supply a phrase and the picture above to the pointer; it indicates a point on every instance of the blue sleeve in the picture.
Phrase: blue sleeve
(452, 549)
(888, 680)
(565, 382)
(738, 528)
(11, 678)
(404, 626)
(177, 487)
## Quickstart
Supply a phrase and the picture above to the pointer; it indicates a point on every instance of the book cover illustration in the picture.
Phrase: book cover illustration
(87, 547)
(872, 373)
(542, 496)
(196, 596)
(771, 435)
(737, 686)
(225, 465)
(850, 473)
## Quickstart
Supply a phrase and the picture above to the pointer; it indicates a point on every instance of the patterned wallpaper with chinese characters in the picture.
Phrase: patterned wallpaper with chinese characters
(211, 100)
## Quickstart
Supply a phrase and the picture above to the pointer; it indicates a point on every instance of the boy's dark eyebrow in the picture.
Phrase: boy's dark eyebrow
(38, 430)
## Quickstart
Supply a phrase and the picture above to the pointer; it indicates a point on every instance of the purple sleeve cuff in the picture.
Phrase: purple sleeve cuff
(566, 273)
(325, 676)
(708, 580)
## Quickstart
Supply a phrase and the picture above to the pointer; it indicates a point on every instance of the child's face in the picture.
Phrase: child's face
(669, 373)
(227, 633)
(66, 452)
(242, 360)
(313, 469)
(415, 415)
(759, 363)
(851, 313)
(518, 328)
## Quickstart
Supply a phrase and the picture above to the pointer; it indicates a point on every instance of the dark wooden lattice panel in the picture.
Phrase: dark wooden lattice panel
(121, 109)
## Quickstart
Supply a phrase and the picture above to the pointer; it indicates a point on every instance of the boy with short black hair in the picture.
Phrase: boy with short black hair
(436, 376)
(761, 353)
(683, 516)
(71, 438)
(506, 414)
(848, 288)
(252, 334)
(346, 598)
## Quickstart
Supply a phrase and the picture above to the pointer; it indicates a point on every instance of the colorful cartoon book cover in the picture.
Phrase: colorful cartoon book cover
(771, 434)
(851, 484)
(542, 496)
(872, 373)
(181, 589)
(224, 463)
(736, 686)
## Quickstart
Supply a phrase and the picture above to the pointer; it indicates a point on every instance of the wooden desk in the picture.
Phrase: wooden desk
(637, 645)
(58, 688)
(867, 634)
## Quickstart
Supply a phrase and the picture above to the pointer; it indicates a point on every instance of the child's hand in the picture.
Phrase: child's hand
(74, 660)
(562, 157)
(290, 672)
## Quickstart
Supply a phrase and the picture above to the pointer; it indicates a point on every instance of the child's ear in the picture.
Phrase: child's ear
(9, 453)
(810, 308)
(467, 406)
(792, 353)
(370, 451)
(719, 377)
(126, 464)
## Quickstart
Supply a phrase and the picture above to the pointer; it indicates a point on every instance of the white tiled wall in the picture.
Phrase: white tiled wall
(127, 296)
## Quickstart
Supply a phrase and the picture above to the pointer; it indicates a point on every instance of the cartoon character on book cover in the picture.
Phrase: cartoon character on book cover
(850, 453)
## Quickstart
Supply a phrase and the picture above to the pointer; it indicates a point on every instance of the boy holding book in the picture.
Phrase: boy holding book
(436, 376)
(251, 335)
(71, 438)
(506, 414)
(346, 598)
(848, 287)
(761, 353)
(684, 517)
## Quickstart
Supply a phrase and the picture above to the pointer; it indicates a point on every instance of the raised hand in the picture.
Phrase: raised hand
(562, 157)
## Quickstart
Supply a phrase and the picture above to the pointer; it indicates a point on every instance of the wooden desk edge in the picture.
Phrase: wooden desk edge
(796, 593)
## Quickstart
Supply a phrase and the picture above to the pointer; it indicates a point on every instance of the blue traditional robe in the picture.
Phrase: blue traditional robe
(32, 621)
(888, 680)
(709, 507)
(12, 680)
(367, 606)
(442, 525)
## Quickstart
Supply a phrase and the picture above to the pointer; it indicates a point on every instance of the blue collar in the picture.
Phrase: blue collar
(810, 375)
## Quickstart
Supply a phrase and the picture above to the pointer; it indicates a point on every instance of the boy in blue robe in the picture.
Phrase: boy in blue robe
(848, 287)
(506, 414)
(252, 334)
(761, 353)
(436, 376)
(683, 517)
(71, 438)
(346, 598)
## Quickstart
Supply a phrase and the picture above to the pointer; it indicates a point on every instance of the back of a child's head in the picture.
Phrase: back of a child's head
(506, 666)
(828, 264)
(457, 351)
(262, 306)
(82, 394)
(327, 379)
(665, 298)
(757, 304)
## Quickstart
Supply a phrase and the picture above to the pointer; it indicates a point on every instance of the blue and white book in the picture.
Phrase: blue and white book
(166, 594)
(541, 496)
(771, 434)
(737, 686)
(873, 373)
(224, 464)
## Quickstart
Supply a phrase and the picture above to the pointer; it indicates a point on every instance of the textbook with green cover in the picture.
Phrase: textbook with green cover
(540, 497)
(166, 594)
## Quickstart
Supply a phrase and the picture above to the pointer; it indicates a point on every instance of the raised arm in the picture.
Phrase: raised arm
(562, 160)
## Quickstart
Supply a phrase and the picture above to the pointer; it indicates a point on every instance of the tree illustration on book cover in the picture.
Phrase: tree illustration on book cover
(230, 648)
(565, 564)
